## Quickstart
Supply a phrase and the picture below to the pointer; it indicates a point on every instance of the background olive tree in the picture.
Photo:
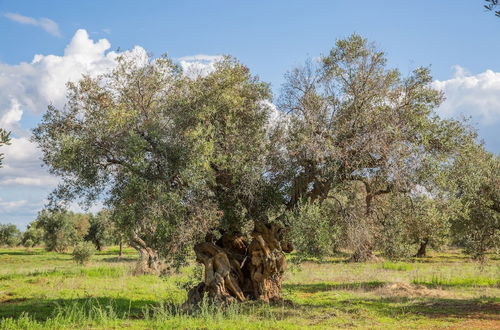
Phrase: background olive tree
(474, 182)
(61, 229)
(10, 235)
(354, 124)
(102, 231)
(32, 236)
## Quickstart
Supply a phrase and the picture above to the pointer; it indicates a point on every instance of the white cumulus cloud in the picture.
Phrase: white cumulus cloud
(22, 166)
(31, 87)
(45, 23)
(477, 96)
(11, 116)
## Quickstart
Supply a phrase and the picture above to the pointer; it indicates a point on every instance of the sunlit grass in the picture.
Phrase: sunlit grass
(439, 280)
(49, 291)
(396, 266)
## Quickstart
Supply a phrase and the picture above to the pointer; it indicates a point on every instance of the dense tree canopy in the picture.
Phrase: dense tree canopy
(176, 158)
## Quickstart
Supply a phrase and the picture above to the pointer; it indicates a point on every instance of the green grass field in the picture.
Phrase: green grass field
(40, 289)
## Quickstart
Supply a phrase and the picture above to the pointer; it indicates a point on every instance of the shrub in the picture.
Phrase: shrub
(315, 230)
(33, 236)
(83, 252)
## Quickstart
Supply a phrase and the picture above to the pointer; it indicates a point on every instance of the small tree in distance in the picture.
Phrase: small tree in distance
(9, 235)
(61, 229)
(83, 252)
(101, 230)
(33, 236)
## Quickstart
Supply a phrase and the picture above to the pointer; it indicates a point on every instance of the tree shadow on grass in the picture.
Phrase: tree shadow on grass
(394, 306)
(43, 309)
(321, 287)
(21, 253)
(486, 309)
(397, 307)
(300, 260)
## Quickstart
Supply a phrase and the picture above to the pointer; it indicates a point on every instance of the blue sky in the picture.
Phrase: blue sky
(457, 38)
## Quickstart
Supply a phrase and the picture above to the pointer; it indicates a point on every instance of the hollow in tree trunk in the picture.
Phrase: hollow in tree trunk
(236, 270)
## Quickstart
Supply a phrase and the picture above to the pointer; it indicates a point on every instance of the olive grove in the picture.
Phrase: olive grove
(354, 157)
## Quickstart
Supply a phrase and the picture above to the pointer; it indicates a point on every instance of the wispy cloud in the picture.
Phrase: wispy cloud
(45, 23)
(9, 206)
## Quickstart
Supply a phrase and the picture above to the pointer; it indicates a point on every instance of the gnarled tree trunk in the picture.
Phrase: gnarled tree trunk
(236, 270)
(422, 250)
(149, 261)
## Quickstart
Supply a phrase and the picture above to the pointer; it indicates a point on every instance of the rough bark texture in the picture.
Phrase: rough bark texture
(149, 262)
(236, 270)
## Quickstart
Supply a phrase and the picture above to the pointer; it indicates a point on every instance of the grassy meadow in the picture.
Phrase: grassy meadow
(45, 290)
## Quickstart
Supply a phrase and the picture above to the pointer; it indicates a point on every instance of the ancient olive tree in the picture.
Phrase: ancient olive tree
(180, 161)
(355, 124)
(244, 256)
